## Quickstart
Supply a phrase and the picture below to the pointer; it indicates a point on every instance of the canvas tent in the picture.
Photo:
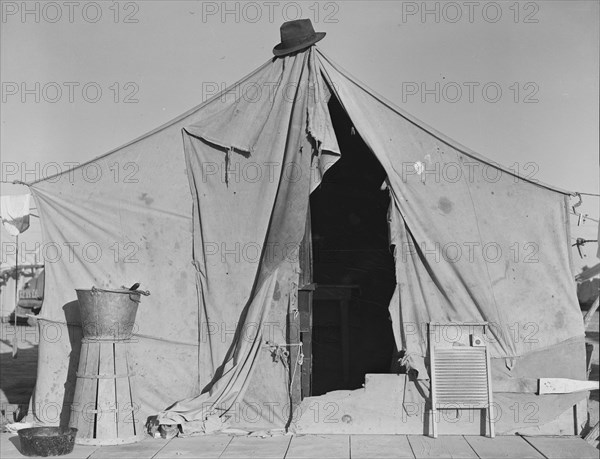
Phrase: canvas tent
(211, 218)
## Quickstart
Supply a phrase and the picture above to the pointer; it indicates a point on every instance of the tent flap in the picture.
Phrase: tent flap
(247, 256)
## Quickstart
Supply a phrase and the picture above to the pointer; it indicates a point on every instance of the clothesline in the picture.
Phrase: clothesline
(590, 194)
(585, 217)
(14, 182)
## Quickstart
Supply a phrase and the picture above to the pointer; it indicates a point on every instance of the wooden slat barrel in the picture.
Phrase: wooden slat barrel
(105, 410)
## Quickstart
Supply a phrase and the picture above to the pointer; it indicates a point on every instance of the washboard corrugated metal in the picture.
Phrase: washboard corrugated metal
(460, 373)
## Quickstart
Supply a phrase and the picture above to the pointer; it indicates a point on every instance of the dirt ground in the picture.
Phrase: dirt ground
(17, 376)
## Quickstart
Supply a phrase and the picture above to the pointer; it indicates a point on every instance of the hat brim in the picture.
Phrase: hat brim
(281, 50)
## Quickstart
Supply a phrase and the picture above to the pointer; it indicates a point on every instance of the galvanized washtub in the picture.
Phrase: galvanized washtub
(108, 313)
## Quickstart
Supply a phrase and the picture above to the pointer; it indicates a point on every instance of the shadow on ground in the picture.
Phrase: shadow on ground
(17, 375)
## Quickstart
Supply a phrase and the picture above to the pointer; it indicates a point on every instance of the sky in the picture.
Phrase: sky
(518, 82)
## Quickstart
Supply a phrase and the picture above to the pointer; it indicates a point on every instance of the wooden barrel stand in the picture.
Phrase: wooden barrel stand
(105, 410)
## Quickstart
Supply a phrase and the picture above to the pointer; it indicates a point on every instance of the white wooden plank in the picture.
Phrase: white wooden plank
(563, 447)
(126, 411)
(566, 386)
(77, 419)
(322, 446)
(135, 415)
(106, 418)
(87, 419)
(445, 446)
(144, 449)
(80, 452)
(510, 446)
(256, 447)
(201, 447)
(380, 446)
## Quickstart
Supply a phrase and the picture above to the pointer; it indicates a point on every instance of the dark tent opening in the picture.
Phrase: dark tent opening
(353, 266)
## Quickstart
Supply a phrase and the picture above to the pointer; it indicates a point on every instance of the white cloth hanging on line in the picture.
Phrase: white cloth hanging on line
(14, 211)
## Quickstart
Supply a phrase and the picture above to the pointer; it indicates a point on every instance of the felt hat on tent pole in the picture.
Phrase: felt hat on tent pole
(295, 36)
